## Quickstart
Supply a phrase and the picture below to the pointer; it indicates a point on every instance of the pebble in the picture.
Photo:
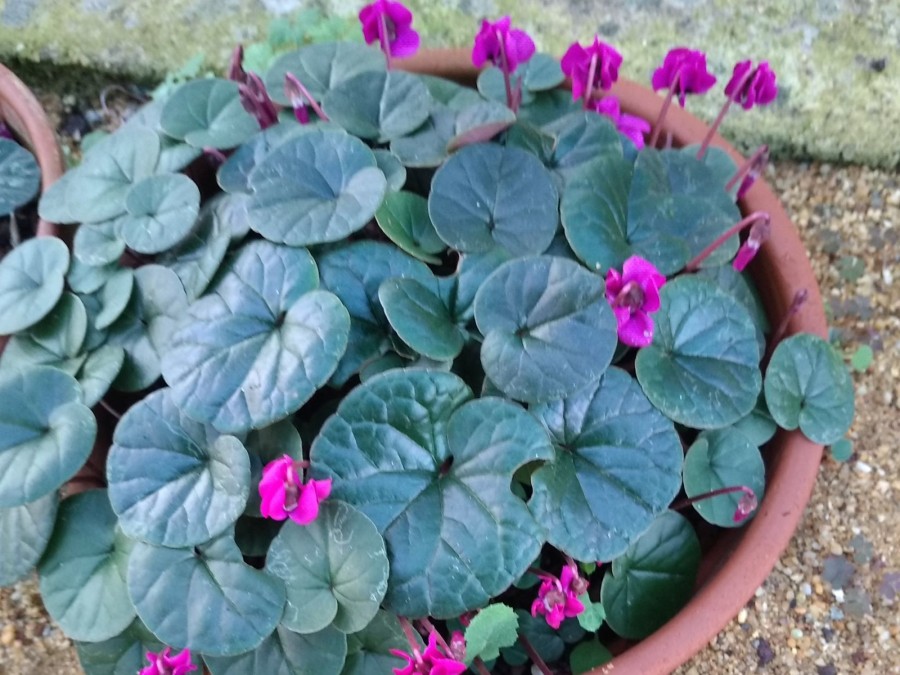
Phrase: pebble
(8, 634)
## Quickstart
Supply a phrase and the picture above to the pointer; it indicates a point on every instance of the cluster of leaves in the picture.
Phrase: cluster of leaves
(20, 176)
(412, 291)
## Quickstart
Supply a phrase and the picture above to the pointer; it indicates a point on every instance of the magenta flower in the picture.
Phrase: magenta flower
(236, 70)
(256, 100)
(502, 45)
(284, 495)
(593, 68)
(557, 599)
(683, 70)
(163, 664)
(746, 506)
(390, 24)
(633, 296)
(432, 662)
(630, 126)
(759, 232)
(752, 86)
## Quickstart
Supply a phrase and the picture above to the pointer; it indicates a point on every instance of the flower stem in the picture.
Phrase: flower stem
(410, 637)
(480, 667)
(383, 39)
(658, 124)
(506, 74)
(721, 116)
(108, 408)
(684, 503)
(428, 626)
(312, 102)
(694, 264)
(589, 89)
(800, 298)
(534, 656)
(755, 163)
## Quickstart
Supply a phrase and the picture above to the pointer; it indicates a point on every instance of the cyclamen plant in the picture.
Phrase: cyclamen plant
(422, 384)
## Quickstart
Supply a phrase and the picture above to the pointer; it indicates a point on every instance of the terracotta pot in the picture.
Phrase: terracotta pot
(740, 560)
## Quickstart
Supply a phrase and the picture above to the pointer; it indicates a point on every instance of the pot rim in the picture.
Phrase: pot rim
(742, 559)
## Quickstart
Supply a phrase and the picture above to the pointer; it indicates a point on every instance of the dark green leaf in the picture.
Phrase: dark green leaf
(24, 533)
(207, 113)
(546, 641)
(702, 369)
(426, 147)
(456, 536)
(82, 573)
(758, 426)
(617, 467)
(741, 287)
(486, 195)
(204, 597)
(20, 176)
(114, 298)
(163, 209)
(588, 655)
(471, 272)
(548, 328)
(84, 279)
(46, 433)
(582, 137)
(421, 318)
(494, 627)
(479, 123)
(807, 385)
(31, 282)
(285, 652)
(280, 339)
(368, 652)
(549, 106)
(124, 654)
(650, 583)
(540, 73)
(233, 175)
(403, 217)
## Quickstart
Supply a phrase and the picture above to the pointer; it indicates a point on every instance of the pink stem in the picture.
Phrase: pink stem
(383, 39)
(684, 503)
(428, 626)
(800, 298)
(746, 167)
(589, 91)
(108, 408)
(658, 124)
(479, 665)
(534, 656)
(504, 61)
(694, 264)
(721, 116)
(410, 637)
(312, 102)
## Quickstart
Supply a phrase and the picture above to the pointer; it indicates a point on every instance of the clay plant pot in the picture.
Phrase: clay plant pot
(738, 561)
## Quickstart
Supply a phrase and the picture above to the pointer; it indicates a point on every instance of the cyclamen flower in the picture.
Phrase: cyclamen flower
(558, 598)
(498, 40)
(164, 664)
(432, 662)
(284, 495)
(630, 126)
(759, 232)
(390, 24)
(633, 296)
(593, 68)
(256, 100)
(746, 506)
(752, 86)
(685, 70)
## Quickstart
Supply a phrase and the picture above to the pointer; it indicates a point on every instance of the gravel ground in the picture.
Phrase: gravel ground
(831, 604)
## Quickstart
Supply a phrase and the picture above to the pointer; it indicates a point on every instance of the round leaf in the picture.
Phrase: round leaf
(42, 443)
(317, 187)
(486, 195)
(702, 369)
(379, 105)
(807, 385)
(82, 573)
(617, 467)
(719, 459)
(31, 282)
(548, 328)
(335, 570)
(164, 469)
(20, 176)
(285, 652)
(582, 137)
(98, 372)
(368, 651)
(55, 341)
(279, 340)
(24, 533)
(204, 597)
(392, 168)
(403, 217)
(124, 654)
(114, 298)
(99, 244)
(207, 113)
(421, 319)
(432, 469)
(653, 579)
(494, 627)
(163, 209)
(426, 147)
(233, 175)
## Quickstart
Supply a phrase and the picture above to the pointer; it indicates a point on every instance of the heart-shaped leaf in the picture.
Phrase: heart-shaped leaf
(702, 369)
(427, 146)
(266, 445)
(20, 176)
(432, 469)
(421, 318)
(617, 467)
(486, 195)
(403, 217)
(82, 573)
(98, 372)
(808, 386)
(163, 209)
(549, 106)
(653, 579)
(204, 597)
(582, 137)
(24, 533)
(354, 273)
(392, 168)
(285, 652)
(174, 155)
(479, 123)
(55, 341)
(719, 459)
(44, 442)
(85, 279)
(368, 651)
(124, 654)
(548, 330)
(494, 627)
(588, 655)
(98, 244)
(164, 468)
(471, 272)
(322, 67)
(31, 282)
(741, 287)
(233, 175)
(280, 340)
(335, 570)
(540, 73)
(316, 187)
(207, 113)
(114, 298)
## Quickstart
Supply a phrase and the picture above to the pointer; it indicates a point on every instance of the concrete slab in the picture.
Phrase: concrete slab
(838, 61)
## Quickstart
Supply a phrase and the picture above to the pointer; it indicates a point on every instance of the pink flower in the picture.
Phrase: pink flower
(557, 599)
(298, 96)
(752, 86)
(432, 662)
(236, 70)
(163, 664)
(284, 495)
(746, 506)
(759, 232)
(256, 100)
(390, 24)
(685, 70)
(633, 295)
(591, 69)
(497, 41)
(630, 126)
